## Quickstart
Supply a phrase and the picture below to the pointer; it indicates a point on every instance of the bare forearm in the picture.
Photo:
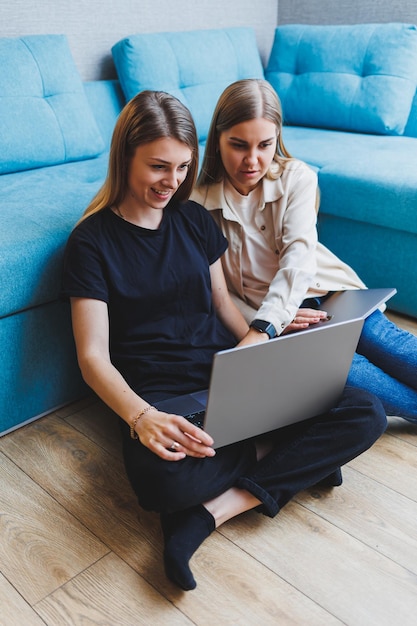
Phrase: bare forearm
(107, 382)
(233, 319)
(226, 309)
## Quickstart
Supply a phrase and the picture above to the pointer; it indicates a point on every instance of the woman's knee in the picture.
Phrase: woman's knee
(368, 412)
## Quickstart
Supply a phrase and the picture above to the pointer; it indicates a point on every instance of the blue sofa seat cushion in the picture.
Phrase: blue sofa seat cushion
(194, 66)
(365, 187)
(358, 78)
(368, 190)
(45, 118)
(39, 209)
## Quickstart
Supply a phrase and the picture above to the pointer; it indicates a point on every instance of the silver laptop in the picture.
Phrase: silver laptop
(260, 388)
(355, 303)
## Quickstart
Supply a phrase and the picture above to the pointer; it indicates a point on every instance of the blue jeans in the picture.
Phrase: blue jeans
(385, 364)
(303, 455)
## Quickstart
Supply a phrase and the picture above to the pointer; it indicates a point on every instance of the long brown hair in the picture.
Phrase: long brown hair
(148, 116)
(242, 101)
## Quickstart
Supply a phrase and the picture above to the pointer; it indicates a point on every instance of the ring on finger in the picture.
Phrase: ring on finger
(174, 446)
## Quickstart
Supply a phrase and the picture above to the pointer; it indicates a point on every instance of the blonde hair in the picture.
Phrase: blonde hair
(148, 116)
(240, 102)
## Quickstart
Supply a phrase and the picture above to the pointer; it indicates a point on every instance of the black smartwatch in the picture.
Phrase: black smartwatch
(264, 327)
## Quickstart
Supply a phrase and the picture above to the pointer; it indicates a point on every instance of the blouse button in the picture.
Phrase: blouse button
(263, 227)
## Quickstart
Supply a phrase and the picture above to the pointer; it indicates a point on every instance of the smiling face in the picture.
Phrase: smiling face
(156, 171)
(247, 150)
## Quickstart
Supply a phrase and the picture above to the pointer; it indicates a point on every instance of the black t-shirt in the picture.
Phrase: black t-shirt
(156, 283)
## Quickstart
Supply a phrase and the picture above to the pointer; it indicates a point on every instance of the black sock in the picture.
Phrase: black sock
(184, 532)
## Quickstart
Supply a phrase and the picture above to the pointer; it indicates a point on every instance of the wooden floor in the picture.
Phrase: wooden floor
(76, 550)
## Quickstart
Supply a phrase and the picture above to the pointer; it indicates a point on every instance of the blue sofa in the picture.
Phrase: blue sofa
(55, 135)
(54, 138)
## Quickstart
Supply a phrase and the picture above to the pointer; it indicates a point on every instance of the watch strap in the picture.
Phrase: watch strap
(264, 327)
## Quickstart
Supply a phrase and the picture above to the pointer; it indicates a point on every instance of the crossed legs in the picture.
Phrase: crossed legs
(295, 458)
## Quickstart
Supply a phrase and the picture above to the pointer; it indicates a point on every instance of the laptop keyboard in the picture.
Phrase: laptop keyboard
(197, 418)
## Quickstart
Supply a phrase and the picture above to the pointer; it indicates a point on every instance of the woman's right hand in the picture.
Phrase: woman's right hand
(304, 318)
(172, 437)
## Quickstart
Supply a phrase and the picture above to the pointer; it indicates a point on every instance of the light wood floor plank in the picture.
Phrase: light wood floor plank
(42, 545)
(14, 610)
(235, 587)
(403, 430)
(97, 422)
(391, 462)
(360, 509)
(77, 406)
(348, 579)
(109, 592)
(82, 477)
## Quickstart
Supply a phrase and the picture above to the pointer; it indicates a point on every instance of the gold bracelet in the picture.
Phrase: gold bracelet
(133, 433)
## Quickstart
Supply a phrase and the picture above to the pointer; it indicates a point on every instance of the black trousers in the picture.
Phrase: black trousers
(303, 454)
